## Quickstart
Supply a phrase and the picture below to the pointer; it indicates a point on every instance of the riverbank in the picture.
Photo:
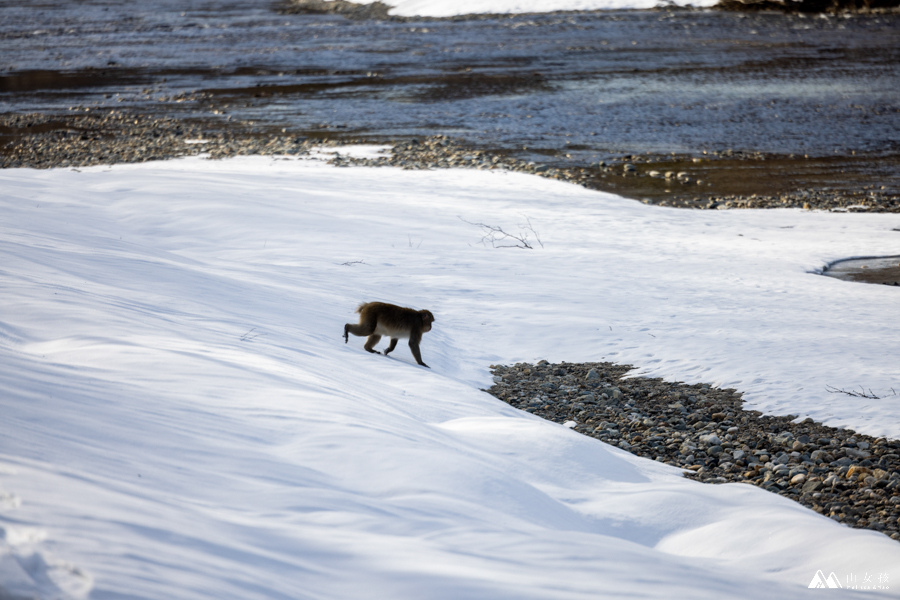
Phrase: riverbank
(107, 136)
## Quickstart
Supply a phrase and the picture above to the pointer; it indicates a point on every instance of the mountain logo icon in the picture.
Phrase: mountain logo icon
(820, 581)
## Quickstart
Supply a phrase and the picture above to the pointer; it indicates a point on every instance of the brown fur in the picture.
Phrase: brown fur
(379, 318)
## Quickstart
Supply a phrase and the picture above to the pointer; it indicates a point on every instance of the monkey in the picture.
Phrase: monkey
(379, 318)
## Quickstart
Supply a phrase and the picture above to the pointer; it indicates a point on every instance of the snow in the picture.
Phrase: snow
(182, 419)
(450, 8)
(349, 151)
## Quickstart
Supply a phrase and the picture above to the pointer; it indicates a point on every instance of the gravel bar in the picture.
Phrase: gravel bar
(849, 477)
(86, 136)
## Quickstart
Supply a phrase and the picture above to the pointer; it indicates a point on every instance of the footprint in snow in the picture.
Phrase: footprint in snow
(28, 573)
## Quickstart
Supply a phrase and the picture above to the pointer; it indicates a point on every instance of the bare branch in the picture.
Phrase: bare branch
(862, 393)
(530, 228)
(498, 238)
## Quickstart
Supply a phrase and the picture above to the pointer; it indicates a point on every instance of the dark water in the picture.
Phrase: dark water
(587, 84)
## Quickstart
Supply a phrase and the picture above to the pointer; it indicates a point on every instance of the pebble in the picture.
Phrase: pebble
(710, 439)
(849, 477)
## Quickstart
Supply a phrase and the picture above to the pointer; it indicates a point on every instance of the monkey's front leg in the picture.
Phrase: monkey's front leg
(390, 348)
(414, 347)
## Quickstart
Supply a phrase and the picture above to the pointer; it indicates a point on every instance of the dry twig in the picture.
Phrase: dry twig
(498, 238)
(862, 393)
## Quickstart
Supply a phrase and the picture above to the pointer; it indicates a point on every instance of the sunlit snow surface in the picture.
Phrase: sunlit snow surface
(449, 8)
(180, 417)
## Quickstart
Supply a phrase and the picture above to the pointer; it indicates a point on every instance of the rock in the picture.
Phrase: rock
(710, 439)
(854, 453)
(784, 437)
(613, 393)
(687, 447)
(856, 471)
(811, 486)
(798, 479)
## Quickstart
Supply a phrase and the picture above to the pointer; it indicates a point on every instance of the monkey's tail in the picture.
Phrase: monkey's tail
(360, 308)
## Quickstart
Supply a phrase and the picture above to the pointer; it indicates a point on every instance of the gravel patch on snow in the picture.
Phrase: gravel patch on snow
(852, 478)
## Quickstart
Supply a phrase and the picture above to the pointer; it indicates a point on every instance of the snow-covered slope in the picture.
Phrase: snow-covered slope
(180, 418)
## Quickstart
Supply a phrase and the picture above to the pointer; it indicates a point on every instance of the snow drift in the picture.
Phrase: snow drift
(182, 419)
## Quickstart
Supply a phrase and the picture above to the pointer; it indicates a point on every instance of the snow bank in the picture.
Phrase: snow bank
(181, 418)
(451, 8)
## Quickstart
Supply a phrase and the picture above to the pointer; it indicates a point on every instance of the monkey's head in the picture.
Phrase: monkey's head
(427, 319)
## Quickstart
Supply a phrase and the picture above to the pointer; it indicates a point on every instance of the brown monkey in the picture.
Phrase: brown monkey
(379, 318)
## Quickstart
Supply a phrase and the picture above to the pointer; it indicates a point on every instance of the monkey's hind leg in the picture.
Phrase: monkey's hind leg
(390, 348)
(370, 343)
(360, 329)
